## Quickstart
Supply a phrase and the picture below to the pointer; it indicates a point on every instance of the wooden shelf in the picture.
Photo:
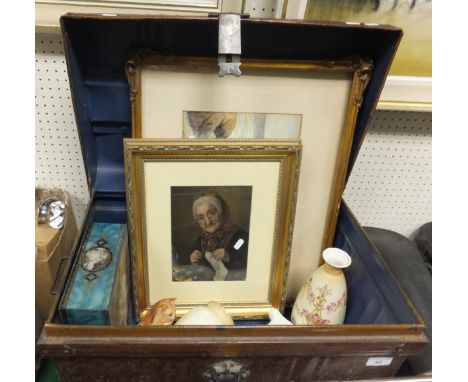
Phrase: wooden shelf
(406, 94)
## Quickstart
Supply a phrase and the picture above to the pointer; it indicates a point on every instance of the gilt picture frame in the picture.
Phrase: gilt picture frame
(211, 220)
(326, 95)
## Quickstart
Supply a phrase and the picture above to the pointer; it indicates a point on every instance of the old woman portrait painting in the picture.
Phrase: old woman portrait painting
(210, 232)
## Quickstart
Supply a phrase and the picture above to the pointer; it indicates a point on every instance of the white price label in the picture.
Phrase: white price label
(238, 244)
(379, 361)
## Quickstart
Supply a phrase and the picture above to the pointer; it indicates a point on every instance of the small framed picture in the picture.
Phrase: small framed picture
(211, 220)
(207, 124)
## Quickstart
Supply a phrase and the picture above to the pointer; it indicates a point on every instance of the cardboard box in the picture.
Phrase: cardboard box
(52, 245)
(46, 240)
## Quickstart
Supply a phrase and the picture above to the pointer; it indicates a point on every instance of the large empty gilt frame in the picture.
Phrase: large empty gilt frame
(328, 95)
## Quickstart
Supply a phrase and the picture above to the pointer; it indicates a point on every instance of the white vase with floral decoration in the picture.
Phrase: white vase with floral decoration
(322, 299)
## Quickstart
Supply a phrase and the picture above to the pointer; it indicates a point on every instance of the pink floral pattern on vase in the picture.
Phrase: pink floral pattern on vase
(318, 301)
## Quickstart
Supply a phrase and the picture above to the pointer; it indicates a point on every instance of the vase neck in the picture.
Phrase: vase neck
(336, 259)
(331, 269)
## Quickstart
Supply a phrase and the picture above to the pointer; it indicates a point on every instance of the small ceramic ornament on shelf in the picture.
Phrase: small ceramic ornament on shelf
(322, 299)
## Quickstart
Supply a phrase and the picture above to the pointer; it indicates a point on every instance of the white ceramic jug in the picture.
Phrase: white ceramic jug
(322, 299)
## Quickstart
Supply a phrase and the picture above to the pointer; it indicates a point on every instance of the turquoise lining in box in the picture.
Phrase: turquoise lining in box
(98, 289)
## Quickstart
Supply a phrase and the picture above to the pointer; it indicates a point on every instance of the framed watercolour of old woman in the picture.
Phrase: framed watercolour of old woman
(211, 220)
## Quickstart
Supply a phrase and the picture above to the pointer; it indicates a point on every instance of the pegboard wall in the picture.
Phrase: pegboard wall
(390, 186)
(264, 8)
(391, 182)
(59, 162)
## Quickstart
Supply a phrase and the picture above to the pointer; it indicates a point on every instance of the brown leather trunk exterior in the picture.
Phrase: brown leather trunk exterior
(191, 358)
(269, 369)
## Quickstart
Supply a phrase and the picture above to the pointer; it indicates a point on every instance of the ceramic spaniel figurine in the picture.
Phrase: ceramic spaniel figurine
(161, 313)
